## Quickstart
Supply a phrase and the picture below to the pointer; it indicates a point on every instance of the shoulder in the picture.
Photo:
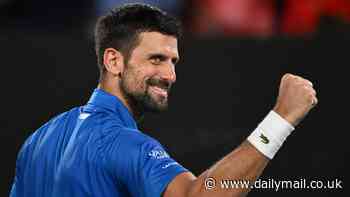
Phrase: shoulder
(52, 125)
(134, 141)
(133, 144)
(136, 135)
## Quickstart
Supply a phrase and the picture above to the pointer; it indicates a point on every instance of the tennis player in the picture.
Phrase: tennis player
(96, 150)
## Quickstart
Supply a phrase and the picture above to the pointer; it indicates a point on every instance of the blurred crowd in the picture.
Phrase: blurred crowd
(257, 18)
(265, 17)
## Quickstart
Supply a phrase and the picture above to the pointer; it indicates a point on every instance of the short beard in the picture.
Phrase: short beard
(142, 102)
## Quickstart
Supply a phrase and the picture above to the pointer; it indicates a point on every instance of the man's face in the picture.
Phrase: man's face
(150, 71)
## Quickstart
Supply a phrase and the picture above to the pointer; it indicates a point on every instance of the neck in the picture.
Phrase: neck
(110, 87)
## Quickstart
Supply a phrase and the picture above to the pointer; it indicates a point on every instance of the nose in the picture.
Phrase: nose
(168, 73)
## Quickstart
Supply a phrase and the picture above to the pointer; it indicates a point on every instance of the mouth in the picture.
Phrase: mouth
(159, 91)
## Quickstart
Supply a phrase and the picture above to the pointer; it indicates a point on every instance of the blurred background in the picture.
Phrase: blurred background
(233, 55)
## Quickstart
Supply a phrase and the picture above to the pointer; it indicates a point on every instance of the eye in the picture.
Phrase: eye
(156, 60)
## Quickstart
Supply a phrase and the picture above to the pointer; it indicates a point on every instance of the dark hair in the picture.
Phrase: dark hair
(120, 28)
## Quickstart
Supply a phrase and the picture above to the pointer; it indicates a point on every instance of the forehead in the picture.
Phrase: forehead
(155, 42)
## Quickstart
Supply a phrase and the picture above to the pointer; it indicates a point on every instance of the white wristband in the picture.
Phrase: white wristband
(270, 134)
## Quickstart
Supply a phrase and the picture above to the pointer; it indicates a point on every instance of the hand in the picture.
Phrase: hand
(295, 99)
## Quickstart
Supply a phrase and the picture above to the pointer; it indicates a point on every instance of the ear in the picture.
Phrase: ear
(113, 61)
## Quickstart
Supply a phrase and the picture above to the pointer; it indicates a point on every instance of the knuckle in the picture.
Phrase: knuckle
(300, 79)
(313, 91)
(308, 82)
(308, 88)
(310, 99)
(287, 76)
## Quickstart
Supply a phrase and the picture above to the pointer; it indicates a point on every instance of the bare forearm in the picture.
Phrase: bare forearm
(243, 163)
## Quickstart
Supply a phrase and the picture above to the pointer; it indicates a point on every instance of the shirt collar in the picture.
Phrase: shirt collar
(105, 100)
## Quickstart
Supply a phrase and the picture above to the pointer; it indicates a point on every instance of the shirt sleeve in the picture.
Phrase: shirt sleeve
(143, 167)
(17, 185)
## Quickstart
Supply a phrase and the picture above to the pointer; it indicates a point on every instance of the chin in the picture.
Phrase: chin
(155, 103)
(156, 106)
(149, 102)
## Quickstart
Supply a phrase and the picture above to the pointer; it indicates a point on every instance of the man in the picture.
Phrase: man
(97, 150)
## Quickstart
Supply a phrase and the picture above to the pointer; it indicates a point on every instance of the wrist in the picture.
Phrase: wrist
(285, 115)
(270, 134)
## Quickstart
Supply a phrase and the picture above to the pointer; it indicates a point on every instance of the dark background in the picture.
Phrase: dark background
(225, 87)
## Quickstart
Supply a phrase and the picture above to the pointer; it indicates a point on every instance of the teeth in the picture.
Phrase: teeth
(159, 90)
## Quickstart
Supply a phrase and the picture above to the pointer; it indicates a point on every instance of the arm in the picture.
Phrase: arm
(244, 163)
(296, 98)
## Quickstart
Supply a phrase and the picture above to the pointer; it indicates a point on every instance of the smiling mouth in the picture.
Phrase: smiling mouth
(160, 91)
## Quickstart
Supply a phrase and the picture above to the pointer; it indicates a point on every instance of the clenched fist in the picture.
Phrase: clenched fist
(295, 99)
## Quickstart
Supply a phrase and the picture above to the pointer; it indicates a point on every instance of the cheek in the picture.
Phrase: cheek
(136, 80)
(143, 74)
